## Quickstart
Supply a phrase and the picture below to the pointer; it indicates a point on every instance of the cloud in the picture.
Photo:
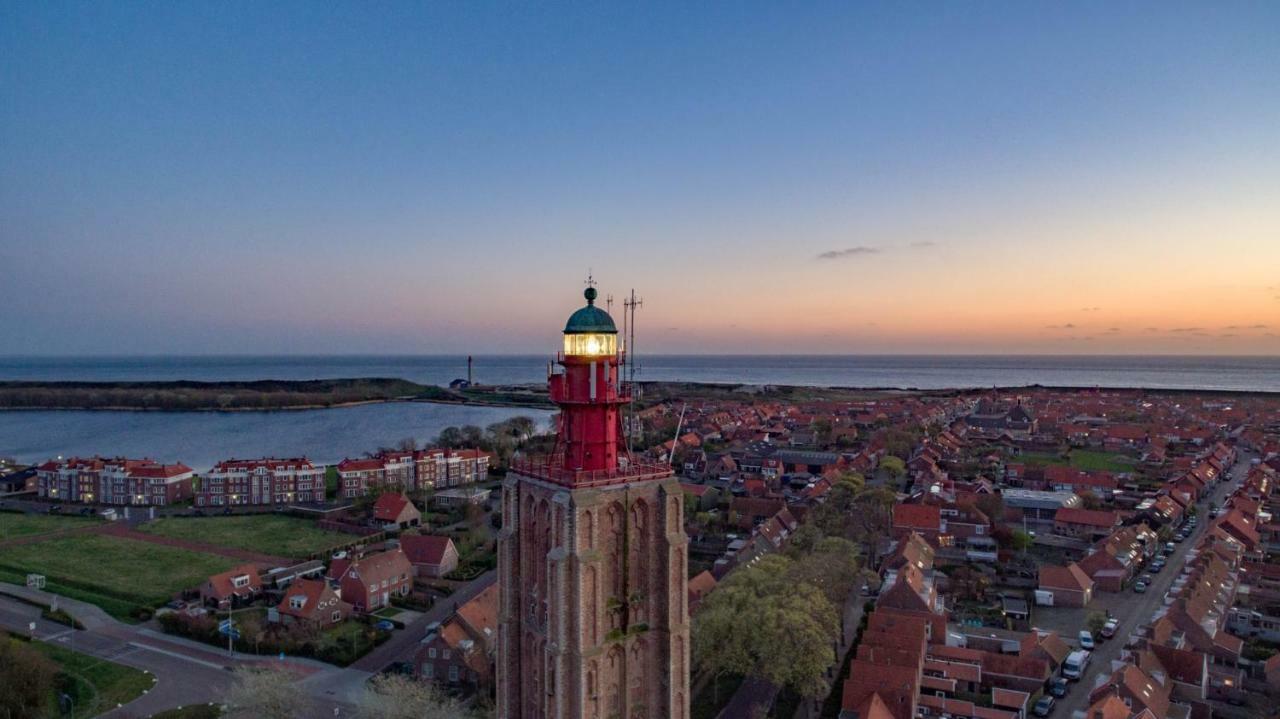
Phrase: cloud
(1113, 329)
(924, 244)
(1150, 329)
(1090, 309)
(848, 252)
(1187, 329)
(1200, 334)
(1226, 334)
(1257, 327)
(1067, 326)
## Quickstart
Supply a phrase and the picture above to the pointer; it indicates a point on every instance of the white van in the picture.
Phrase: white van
(1074, 666)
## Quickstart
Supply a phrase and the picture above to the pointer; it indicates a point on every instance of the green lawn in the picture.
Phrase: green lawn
(267, 533)
(95, 685)
(14, 525)
(1083, 459)
(120, 575)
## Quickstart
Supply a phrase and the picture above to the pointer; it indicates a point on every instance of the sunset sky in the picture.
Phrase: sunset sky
(257, 178)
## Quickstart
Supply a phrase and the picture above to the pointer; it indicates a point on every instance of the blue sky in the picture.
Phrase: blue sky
(252, 177)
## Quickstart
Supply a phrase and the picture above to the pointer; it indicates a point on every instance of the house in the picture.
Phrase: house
(885, 676)
(1069, 585)
(370, 582)
(118, 481)
(924, 519)
(701, 496)
(265, 481)
(232, 588)
(461, 653)
(699, 587)
(1086, 524)
(1114, 560)
(431, 556)
(312, 602)
(394, 511)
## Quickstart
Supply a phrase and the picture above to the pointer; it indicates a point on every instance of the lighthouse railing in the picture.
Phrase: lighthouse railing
(557, 473)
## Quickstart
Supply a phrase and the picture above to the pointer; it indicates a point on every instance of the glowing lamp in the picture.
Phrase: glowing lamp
(591, 344)
(590, 331)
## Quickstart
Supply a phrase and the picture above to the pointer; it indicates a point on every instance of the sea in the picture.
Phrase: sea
(202, 438)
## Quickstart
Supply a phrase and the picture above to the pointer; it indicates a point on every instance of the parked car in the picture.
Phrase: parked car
(1086, 639)
(1145, 578)
(1156, 567)
(1058, 687)
(1043, 706)
(385, 625)
(55, 508)
(1140, 587)
(1169, 547)
(1109, 629)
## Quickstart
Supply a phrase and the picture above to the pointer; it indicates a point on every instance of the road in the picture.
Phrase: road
(1135, 610)
(189, 672)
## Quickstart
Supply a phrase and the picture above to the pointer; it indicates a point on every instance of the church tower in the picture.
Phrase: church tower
(594, 618)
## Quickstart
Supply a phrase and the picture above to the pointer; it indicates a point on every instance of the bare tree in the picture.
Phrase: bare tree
(394, 696)
(266, 693)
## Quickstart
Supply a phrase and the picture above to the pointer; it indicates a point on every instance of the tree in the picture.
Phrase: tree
(761, 622)
(991, 505)
(26, 679)
(395, 696)
(1090, 500)
(1095, 621)
(832, 565)
(1021, 541)
(894, 466)
(266, 693)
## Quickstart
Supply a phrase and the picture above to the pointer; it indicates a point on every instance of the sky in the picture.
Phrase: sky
(260, 178)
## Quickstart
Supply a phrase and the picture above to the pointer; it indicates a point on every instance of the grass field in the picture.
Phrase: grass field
(266, 533)
(13, 525)
(95, 685)
(119, 575)
(1083, 459)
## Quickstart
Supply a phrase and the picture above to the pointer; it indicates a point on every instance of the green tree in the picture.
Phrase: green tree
(832, 565)
(1021, 541)
(792, 627)
(26, 679)
(896, 468)
(1094, 622)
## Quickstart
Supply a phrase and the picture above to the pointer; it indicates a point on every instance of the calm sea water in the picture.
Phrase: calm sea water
(201, 438)
(881, 371)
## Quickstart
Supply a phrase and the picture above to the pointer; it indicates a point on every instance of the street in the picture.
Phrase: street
(1132, 610)
(189, 672)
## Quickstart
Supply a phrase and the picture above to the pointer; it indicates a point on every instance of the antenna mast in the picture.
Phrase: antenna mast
(629, 326)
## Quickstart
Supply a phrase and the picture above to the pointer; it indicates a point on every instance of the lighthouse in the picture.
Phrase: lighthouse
(592, 556)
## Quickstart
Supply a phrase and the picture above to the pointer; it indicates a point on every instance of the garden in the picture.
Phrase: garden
(14, 524)
(340, 644)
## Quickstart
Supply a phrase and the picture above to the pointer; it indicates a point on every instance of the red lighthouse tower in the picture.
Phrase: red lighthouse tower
(588, 392)
(592, 557)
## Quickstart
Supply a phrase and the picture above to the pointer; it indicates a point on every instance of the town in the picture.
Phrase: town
(995, 555)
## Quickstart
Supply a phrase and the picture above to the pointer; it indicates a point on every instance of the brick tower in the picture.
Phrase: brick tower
(594, 619)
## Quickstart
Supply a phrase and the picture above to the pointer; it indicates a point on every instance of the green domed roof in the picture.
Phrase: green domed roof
(590, 318)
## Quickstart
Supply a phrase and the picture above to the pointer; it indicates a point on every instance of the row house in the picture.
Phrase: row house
(885, 676)
(408, 471)
(460, 655)
(390, 470)
(1067, 479)
(1114, 560)
(1087, 524)
(114, 481)
(265, 481)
